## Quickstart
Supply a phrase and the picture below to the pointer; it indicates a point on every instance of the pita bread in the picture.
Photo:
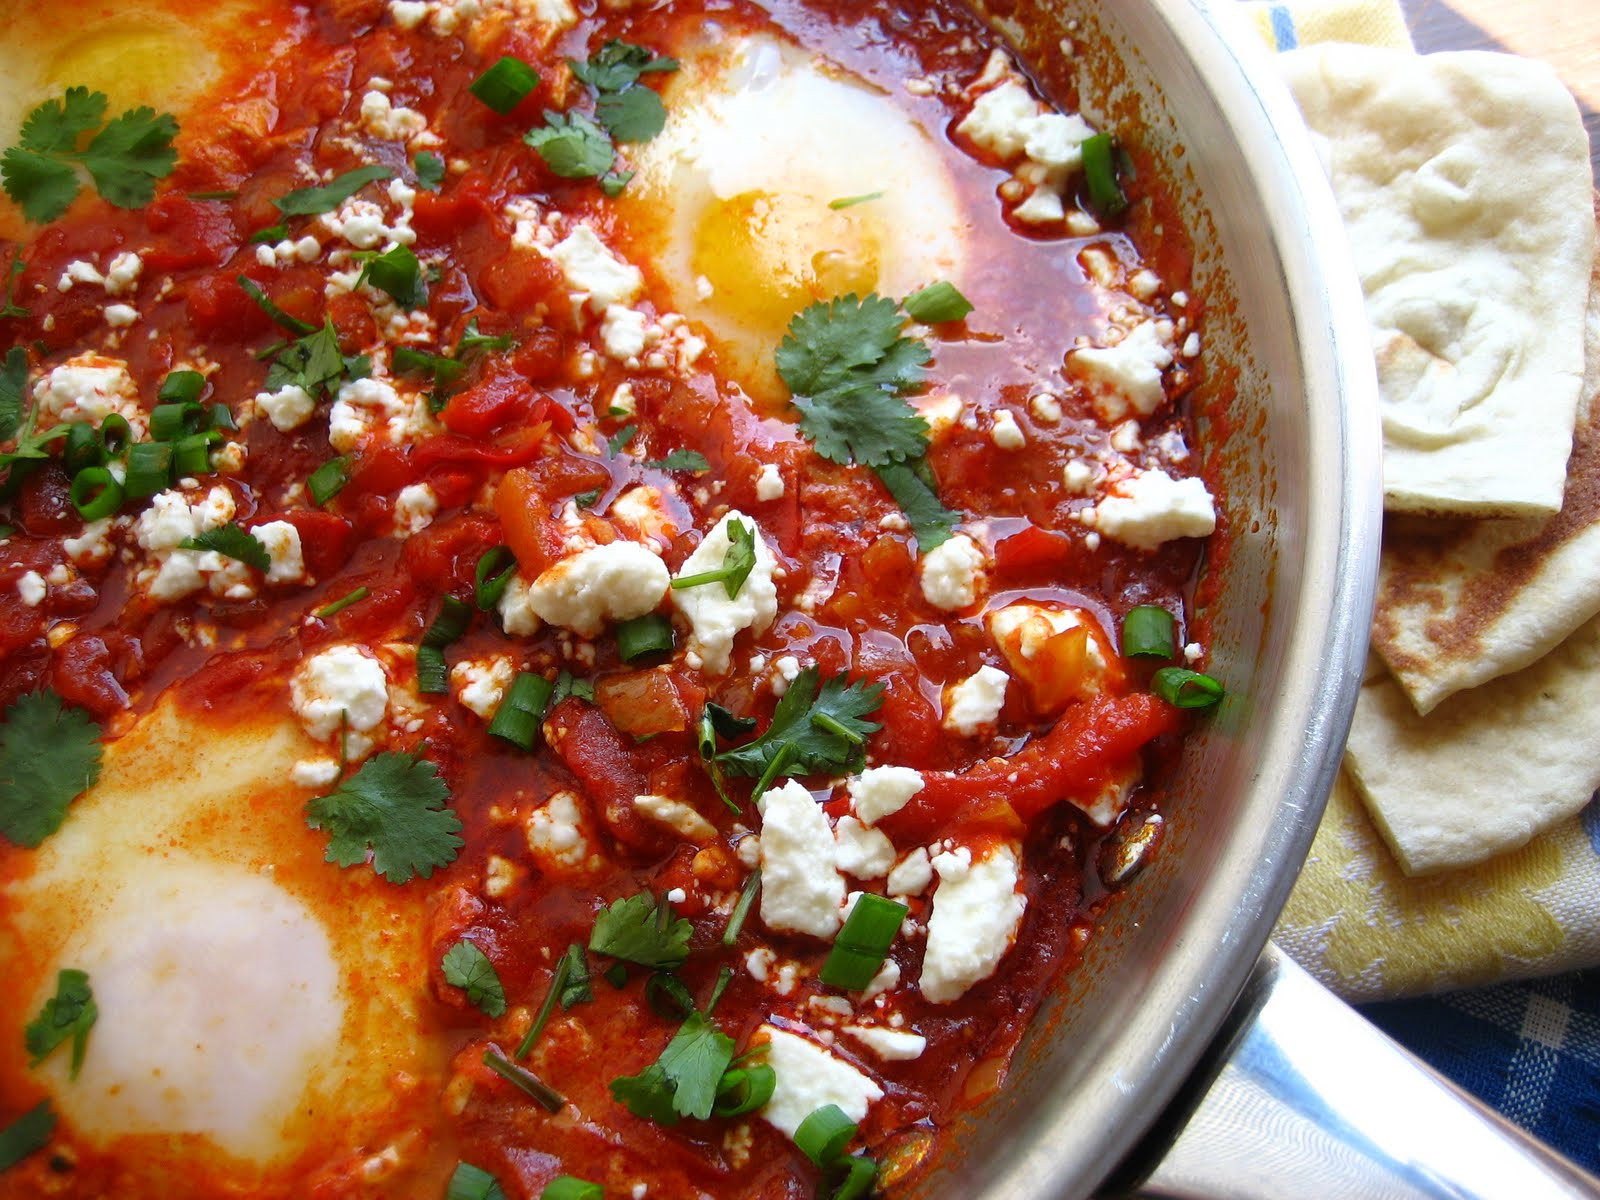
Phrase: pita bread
(1462, 603)
(1464, 182)
(1488, 769)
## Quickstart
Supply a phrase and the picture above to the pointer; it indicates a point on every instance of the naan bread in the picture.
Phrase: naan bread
(1486, 770)
(1462, 603)
(1464, 183)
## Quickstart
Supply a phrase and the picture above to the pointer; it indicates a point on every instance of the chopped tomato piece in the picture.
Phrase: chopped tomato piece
(642, 703)
(486, 406)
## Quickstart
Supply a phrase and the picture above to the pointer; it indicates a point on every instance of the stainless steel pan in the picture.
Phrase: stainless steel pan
(1308, 1100)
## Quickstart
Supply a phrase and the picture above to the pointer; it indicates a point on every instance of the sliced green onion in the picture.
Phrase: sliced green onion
(1149, 630)
(616, 975)
(342, 603)
(505, 85)
(568, 1187)
(824, 1134)
(328, 480)
(741, 910)
(859, 950)
(169, 422)
(82, 448)
(492, 576)
(517, 719)
(861, 1173)
(1185, 688)
(936, 303)
(743, 1090)
(181, 387)
(1100, 173)
(220, 416)
(557, 982)
(115, 434)
(524, 1079)
(662, 988)
(95, 492)
(649, 634)
(149, 469)
(191, 455)
(724, 978)
(450, 624)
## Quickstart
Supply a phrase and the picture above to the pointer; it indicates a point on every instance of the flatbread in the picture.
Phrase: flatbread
(1462, 603)
(1464, 182)
(1486, 770)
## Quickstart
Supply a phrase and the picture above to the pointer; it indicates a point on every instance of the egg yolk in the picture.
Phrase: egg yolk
(769, 254)
(133, 66)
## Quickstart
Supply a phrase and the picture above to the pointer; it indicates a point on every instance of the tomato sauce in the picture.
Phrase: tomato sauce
(517, 456)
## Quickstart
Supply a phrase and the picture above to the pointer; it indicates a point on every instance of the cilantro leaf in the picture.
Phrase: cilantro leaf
(315, 363)
(398, 272)
(70, 1013)
(467, 967)
(634, 114)
(913, 491)
(737, 562)
(49, 756)
(683, 1081)
(45, 187)
(56, 125)
(619, 439)
(472, 339)
(612, 182)
(867, 426)
(133, 151)
(572, 146)
(13, 388)
(828, 340)
(29, 1132)
(618, 64)
(642, 930)
(680, 460)
(12, 308)
(576, 989)
(468, 1182)
(430, 170)
(311, 201)
(233, 542)
(395, 806)
(814, 729)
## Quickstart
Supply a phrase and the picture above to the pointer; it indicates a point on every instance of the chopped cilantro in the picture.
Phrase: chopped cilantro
(443, 370)
(634, 114)
(13, 391)
(396, 807)
(572, 146)
(311, 201)
(430, 170)
(467, 967)
(315, 363)
(472, 339)
(468, 1182)
(641, 930)
(618, 64)
(619, 439)
(683, 1081)
(29, 1132)
(575, 989)
(124, 158)
(12, 308)
(267, 305)
(931, 521)
(49, 756)
(233, 542)
(737, 562)
(812, 729)
(399, 273)
(587, 499)
(70, 1013)
(612, 182)
(680, 460)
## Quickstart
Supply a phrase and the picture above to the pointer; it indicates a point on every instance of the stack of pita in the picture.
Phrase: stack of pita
(1465, 185)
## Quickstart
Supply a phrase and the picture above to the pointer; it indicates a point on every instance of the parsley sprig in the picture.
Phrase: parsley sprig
(124, 157)
(683, 1081)
(640, 929)
(49, 756)
(817, 726)
(395, 808)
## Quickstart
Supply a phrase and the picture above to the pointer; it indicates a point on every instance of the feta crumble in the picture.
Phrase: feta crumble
(973, 706)
(860, 851)
(808, 1078)
(1126, 378)
(480, 684)
(714, 617)
(614, 582)
(1151, 507)
(952, 573)
(801, 892)
(881, 791)
(976, 911)
(338, 688)
(891, 1045)
(594, 274)
(677, 816)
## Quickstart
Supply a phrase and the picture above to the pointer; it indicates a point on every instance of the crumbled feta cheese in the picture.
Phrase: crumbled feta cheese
(314, 772)
(369, 406)
(676, 816)
(171, 572)
(623, 403)
(515, 607)
(282, 541)
(801, 892)
(1042, 207)
(555, 834)
(1127, 376)
(414, 508)
(809, 1078)
(340, 687)
(287, 408)
(622, 332)
(769, 484)
(91, 547)
(891, 1045)
(911, 875)
(862, 852)
(614, 582)
(1001, 119)
(973, 705)
(715, 618)
(89, 388)
(1046, 409)
(1193, 652)
(952, 573)
(120, 316)
(390, 122)
(499, 876)
(1151, 507)
(1078, 477)
(480, 684)
(976, 911)
(886, 980)
(1005, 432)
(1021, 630)
(879, 791)
(362, 224)
(31, 588)
(785, 670)
(594, 272)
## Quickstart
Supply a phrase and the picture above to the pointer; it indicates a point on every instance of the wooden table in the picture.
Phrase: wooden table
(1564, 33)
